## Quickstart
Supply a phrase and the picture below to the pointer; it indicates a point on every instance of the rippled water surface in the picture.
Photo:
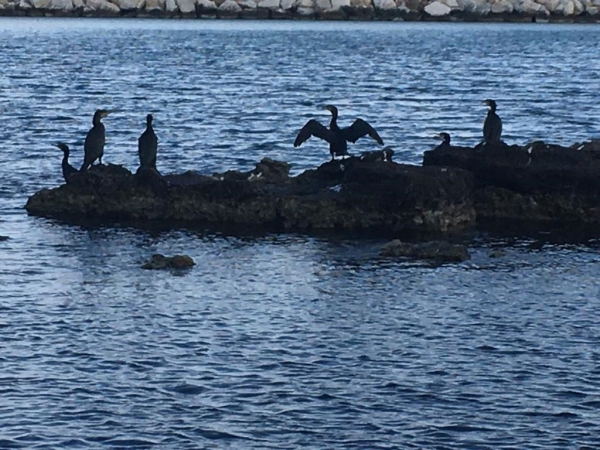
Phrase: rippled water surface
(288, 341)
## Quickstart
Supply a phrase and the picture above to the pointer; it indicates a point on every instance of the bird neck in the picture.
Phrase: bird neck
(96, 121)
(492, 110)
(447, 140)
(66, 157)
(334, 116)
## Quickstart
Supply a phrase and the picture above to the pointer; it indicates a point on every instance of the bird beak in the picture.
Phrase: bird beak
(106, 112)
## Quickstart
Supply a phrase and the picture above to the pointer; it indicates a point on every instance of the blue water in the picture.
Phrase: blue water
(288, 341)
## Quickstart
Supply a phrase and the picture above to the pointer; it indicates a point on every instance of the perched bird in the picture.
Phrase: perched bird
(148, 145)
(94, 141)
(492, 127)
(445, 137)
(67, 169)
(336, 136)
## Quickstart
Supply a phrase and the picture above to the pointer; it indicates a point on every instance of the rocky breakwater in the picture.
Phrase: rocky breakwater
(350, 195)
(536, 183)
(459, 10)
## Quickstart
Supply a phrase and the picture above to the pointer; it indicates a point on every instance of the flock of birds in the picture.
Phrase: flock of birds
(337, 138)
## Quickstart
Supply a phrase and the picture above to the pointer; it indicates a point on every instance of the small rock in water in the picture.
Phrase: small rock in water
(497, 253)
(438, 251)
(158, 262)
(3, 238)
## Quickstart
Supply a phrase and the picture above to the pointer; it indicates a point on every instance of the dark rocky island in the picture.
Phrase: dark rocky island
(350, 194)
(455, 188)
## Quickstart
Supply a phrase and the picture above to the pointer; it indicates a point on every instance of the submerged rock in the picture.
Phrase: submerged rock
(344, 195)
(3, 238)
(159, 262)
(435, 250)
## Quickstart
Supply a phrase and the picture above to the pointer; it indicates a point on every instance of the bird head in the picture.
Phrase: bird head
(149, 119)
(64, 147)
(444, 137)
(490, 103)
(332, 109)
(101, 113)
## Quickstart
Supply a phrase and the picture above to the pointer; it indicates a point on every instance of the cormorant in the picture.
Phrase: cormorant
(492, 127)
(67, 169)
(336, 136)
(148, 145)
(94, 141)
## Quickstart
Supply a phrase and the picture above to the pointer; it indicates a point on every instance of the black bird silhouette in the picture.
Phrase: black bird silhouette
(148, 145)
(445, 137)
(67, 169)
(492, 127)
(336, 136)
(94, 141)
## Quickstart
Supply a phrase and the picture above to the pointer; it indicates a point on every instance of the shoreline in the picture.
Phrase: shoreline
(461, 11)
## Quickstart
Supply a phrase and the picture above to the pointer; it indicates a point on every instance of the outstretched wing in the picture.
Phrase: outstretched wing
(359, 129)
(313, 128)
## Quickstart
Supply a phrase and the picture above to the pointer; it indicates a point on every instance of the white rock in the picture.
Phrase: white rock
(24, 4)
(384, 4)
(361, 3)
(247, 4)
(102, 5)
(287, 4)
(230, 6)
(40, 4)
(132, 4)
(305, 11)
(337, 4)
(61, 5)
(78, 4)
(578, 6)
(186, 6)
(304, 3)
(206, 4)
(501, 7)
(155, 5)
(467, 5)
(596, 2)
(268, 4)
(437, 9)
(323, 4)
(592, 10)
(569, 8)
(171, 6)
(453, 4)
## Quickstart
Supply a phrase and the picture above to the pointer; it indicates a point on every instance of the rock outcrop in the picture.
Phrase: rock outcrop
(339, 195)
(435, 250)
(161, 262)
(535, 183)
(455, 10)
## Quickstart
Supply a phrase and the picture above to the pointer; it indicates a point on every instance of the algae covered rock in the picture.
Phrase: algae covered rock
(434, 250)
(160, 262)
(346, 194)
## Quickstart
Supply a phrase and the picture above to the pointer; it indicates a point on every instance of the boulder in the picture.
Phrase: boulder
(568, 8)
(434, 250)
(538, 182)
(3, 238)
(128, 5)
(437, 9)
(592, 10)
(337, 4)
(305, 12)
(386, 5)
(269, 4)
(230, 6)
(160, 262)
(171, 6)
(247, 4)
(452, 4)
(286, 5)
(187, 6)
(102, 6)
(61, 5)
(207, 5)
(322, 5)
(502, 7)
(40, 4)
(361, 4)
(24, 4)
(155, 6)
